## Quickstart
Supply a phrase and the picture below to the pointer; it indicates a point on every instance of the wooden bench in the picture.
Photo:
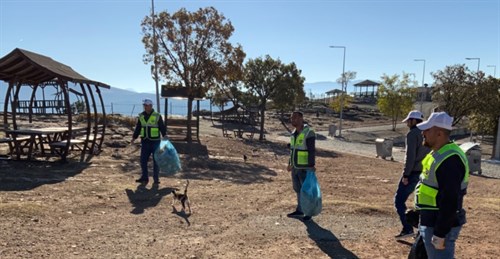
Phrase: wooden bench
(177, 128)
(21, 143)
(77, 141)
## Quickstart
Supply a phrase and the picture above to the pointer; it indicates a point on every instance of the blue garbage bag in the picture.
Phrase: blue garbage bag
(310, 195)
(167, 159)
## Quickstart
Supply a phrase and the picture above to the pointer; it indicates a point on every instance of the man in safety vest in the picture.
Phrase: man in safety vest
(302, 156)
(150, 128)
(443, 184)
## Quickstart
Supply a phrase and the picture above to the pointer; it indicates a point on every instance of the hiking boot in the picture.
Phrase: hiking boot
(405, 233)
(142, 181)
(295, 214)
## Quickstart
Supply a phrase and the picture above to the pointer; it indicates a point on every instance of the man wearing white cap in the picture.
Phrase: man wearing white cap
(415, 152)
(149, 127)
(443, 184)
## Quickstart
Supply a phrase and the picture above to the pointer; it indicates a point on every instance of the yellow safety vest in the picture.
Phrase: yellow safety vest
(150, 129)
(427, 189)
(299, 148)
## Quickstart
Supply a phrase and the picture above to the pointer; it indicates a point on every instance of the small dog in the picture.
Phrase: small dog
(182, 198)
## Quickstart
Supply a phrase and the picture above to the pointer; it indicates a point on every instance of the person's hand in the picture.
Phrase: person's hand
(404, 180)
(132, 141)
(437, 242)
(289, 168)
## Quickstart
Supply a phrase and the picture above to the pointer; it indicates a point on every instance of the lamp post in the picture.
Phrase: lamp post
(344, 89)
(423, 83)
(494, 70)
(478, 62)
(155, 50)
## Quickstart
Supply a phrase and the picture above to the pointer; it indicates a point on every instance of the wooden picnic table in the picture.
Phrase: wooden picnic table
(37, 138)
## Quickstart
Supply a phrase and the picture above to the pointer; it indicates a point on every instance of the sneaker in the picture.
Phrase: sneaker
(405, 233)
(295, 214)
(143, 181)
(306, 218)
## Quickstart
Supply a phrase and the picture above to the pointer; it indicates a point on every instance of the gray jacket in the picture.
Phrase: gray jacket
(415, 151)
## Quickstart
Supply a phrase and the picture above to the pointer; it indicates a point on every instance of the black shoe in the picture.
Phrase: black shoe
(306, 218)
(156, 182)
(143, 181)
(295, 214)
(405, 233)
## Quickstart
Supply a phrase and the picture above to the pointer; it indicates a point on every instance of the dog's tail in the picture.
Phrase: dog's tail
(186, 189)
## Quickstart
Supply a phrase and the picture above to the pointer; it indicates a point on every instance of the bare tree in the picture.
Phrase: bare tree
(193, 50)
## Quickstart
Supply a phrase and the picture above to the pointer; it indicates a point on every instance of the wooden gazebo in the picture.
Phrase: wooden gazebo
(24, 69)
(367, 83)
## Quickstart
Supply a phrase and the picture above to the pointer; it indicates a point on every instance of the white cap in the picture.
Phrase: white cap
(437, 119)
(414, 115)
(147, 101)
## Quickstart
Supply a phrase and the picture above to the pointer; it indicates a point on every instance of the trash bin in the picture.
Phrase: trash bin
(473, 152)
(384, 148)
(331, 130)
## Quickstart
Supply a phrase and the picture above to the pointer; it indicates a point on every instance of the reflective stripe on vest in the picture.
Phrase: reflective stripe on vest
(299, 147)
(427, 189)
(150, 128)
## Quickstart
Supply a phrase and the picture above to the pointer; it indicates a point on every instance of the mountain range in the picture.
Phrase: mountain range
(128, 102)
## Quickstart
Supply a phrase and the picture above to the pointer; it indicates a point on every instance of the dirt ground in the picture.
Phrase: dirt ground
(96, 210)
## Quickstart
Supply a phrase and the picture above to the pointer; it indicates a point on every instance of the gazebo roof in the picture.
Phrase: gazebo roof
(367, 83)
(168, 91)
(32, 68)
(334, 91)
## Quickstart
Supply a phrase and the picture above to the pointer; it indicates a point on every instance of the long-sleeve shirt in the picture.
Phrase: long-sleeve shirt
(415, 151)
(450, 197)
(138, 125)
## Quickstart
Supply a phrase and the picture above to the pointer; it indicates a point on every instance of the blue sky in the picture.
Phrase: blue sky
(101, 39)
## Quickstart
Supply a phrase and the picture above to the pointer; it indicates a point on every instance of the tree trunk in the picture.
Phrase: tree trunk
(189, 137)
(496, 141)
(262, 120)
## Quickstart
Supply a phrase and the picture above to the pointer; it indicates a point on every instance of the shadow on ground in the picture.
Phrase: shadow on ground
(143, 198)
(27, 175)
(327, 241)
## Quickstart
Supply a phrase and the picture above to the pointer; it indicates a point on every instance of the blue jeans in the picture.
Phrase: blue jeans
(148, 147)
(402, 195)
(449, 243)
(298, 178)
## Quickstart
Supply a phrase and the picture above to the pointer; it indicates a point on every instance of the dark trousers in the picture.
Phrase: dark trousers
(148, 147)
(402, 195)
(298, 178)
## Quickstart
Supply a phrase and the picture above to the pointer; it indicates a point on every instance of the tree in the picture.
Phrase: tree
(455, 90)
(343, 100)
(485, 116)
(395, 97)
(271, 80)
(193, 50)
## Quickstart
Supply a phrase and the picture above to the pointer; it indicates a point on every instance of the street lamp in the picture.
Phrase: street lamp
(344, 89)
(494, 70)
(478, 61)
(155, 49)
(423, 81)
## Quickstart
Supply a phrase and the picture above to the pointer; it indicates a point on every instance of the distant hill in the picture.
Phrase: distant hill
(319, 88)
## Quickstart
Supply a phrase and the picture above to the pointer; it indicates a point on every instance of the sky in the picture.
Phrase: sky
(101, 39)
